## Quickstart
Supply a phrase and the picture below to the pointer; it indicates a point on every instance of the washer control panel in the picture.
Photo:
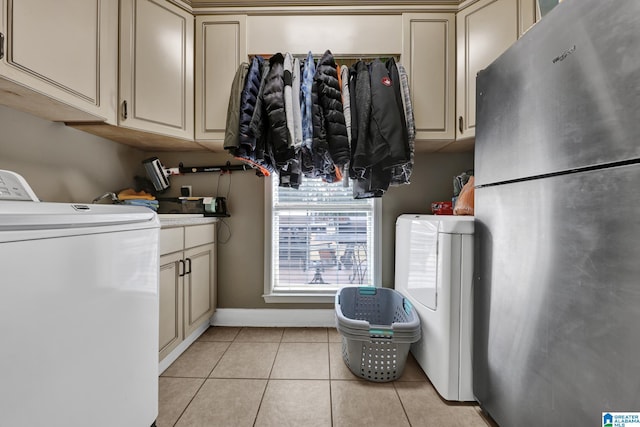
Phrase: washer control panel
(14, 187)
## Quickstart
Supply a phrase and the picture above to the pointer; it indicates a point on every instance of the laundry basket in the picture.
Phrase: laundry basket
(377, 326)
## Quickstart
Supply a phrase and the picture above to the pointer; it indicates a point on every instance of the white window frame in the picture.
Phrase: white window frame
(312, 296)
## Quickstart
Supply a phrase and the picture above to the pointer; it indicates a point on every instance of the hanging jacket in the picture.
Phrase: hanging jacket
(322, 164)
(360, 93)
(248, 100)
(396, 83)
(273, 100)
(374, 183)
(262, 155)
(306, 113)
(346, 108)
(387, 127)
(288, 95)
(297, 113)
(258, 123)
(308, 72)
(232, 129)
(330, 99)
(346, 100)
(378, 130)
(402, 174)
(249, 140)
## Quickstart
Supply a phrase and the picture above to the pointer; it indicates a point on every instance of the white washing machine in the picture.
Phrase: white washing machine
(434, 270)
(78, 312)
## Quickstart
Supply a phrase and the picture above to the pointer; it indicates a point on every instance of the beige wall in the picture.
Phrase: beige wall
(63, 164)
(66, 165)
(241, 258)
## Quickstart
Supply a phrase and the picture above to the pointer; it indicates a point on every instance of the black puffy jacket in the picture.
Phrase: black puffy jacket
(273, 102)
(330, 100)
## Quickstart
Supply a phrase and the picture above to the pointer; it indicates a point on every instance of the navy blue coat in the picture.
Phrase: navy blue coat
(248, 99)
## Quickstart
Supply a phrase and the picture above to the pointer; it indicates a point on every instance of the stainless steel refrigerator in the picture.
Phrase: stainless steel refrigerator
(557, 275)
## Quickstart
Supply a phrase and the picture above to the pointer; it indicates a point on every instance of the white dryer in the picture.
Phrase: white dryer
(434, 270)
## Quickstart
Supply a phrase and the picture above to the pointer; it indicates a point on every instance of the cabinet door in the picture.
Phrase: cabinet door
(199, 286)
(220, 49)
(429, 57)
(156, 68)
(484, 31)
(171, 302)
(60, 60)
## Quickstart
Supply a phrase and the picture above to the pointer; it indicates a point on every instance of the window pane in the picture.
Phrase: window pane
(322, 237)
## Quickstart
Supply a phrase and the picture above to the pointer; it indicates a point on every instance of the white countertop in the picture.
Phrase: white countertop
(177, 220)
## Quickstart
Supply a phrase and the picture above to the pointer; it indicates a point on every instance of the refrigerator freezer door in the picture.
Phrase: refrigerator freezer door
(557, 298)
(565, 96)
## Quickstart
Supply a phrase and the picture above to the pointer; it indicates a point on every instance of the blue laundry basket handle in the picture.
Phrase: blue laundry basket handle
(381, 333)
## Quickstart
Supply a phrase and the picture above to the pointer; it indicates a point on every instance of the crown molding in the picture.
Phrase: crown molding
(325, 7)
(196, 4)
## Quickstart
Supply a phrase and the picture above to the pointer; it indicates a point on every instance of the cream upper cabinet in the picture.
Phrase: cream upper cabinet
(429, 57)
(59, 58)
(156, 68)
(485, 30)
(220, 48)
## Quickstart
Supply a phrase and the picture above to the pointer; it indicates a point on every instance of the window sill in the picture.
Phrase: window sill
(298, 298)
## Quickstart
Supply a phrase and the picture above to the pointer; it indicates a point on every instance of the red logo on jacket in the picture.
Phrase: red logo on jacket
(386, 81)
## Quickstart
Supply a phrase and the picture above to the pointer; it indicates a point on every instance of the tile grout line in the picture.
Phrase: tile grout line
(218, 361)
(404, 410)
(203, 382)
(264, 392)
(190, 401)
(330, 379)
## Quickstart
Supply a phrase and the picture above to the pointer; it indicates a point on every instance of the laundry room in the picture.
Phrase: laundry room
(300, 212)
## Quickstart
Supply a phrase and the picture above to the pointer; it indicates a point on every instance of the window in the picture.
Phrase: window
(321, 239)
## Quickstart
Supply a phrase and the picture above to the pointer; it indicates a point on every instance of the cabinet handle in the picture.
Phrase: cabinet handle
(181, 269)
(189, 264)
(1, 45)
(124, 109)
(460, 124)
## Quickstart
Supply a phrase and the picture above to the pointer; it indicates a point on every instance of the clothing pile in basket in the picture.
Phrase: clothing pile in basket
(302, 118)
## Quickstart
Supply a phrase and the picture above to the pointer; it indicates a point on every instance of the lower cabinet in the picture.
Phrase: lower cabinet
(187, 282)
(171, 303)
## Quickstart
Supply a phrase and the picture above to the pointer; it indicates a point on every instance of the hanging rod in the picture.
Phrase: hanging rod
(222, 168)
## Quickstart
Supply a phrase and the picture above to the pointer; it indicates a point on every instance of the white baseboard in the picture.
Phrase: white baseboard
(274, 317)
(171, 357)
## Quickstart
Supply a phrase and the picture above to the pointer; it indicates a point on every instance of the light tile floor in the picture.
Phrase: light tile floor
(294, 377)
